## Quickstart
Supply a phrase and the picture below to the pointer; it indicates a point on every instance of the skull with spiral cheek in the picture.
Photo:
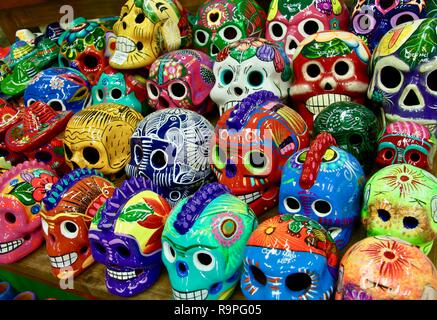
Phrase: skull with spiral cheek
(66, 216)
(219, 23)
(404, 67)
(324, 183)
(401, 201)
(289, 257)
(386, 268)
(203, 243)
(248, 66)
(289, 21)
(125, 236)
(146, 29)
(406, 142)
(181, 79)
(354, 128)
(329, 66)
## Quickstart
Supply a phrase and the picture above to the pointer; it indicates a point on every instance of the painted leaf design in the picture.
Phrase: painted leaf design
(332, 48)
(295, 227)
(152, 222)
(24, 193)
(136, 212)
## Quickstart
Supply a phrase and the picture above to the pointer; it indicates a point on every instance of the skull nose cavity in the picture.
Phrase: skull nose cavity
(411, 99)
(298, 282)
(163, 102)
(52, 237)
(75, 165)
(292, 45)
(238, 91)
(182, 268)
(214, 50)
(231, 169)
(124, 25)
(328, 86)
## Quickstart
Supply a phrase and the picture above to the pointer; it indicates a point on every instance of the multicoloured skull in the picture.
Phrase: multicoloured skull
(66, 216)
(203, 243)
(248, 66)
(404, 80)
(146, 29)
(289, 22)
(181, 79)
(171, 147)
(324, 183)
(22, 189)
(372, 19)
(252, 143)
(401, 201)
(385, 268)
(125, 236)
(329, 66)
(406, 142)
(354, 128)
(289, 257)
(219, 23)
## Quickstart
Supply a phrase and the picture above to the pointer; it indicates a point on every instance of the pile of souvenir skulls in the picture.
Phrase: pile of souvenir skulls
(325, 123)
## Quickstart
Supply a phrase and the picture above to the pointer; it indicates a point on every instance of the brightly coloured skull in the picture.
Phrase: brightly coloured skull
(329, 66)
(354, 128)
(61, 88)
(203, 243)
(146, 29)
(171, 147)
(125, 236)
(98, 138)
(386, 268)
(324, 183)
(404, 67)
(252, 143)
(401, 201)
(290, 21)
(66, 216)
(406, 142)
(372, 19)
(122, 87)
(181, 79)
(289, 257)
(248, 66)
(22, 189)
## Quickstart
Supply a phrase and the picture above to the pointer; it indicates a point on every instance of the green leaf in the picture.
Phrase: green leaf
(136, 212)
(24, 192)
(295, 227)
(98, 215)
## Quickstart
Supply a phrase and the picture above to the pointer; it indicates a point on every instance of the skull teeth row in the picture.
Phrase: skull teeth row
(63, 261)
(124, 45)
(250, 197)
(10, 246)
(121, 275)
(192, 295)
(319, 102)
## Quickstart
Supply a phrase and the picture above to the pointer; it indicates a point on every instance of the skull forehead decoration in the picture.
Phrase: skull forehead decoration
(372, 19)
(252, 143)
(66, 216)
(146, 29)
(219, 23)
(290, 21)
(203, 243)
(406, 142)
(324, 183)
(22, 189)
(98, 137)
(404, 67)
(289, 257)
(125, 236)
(329, 66)
(386, 268)
(354, 127)
(181, 79)
(401, 201)
(248, 66)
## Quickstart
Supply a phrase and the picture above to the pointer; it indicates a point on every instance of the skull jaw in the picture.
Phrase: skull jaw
(260, 201)
(24, 249)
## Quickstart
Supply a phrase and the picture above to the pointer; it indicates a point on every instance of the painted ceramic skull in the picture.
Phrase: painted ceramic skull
(329, 66)
(219, 23)
(386, 268)
(354, 128)
(22, 189)
(98, 137)
(146, 29)
(324, 183)
(248, 66)
(171, 147)
(289, 257)
(290, 21)
(181, 79)
(401, 201)
(372, 19)
(406, 142)
(404, 74)
(126, 88)
(125, 236)
(203, 243)
(252, 143)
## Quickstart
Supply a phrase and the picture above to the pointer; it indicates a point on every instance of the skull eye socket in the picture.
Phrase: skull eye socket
(99, 94)
(178, 91)
(413, 157)
(231, 33)
(123, 251)
(90, 61)
(364, 23)
(138, 154)
(116, 94)
(219, 157)
(10, 217)
(388, 154)
(56, 105)
(169, 252)
(297, 282)
(175, 196)
(355, 139)
(43, 156)
(30, 101)
(431, 81)
(277, 30)
(226, 77)
(258, 275)
(255, 78)
(91, 155)
(402, 17)
(68, 153)
(256, 162)
(343, 68)
(321, 208)
(140, 18)
(201, 37)
(292, 205)
(410, 222)
(390, 78)
(203, 260)
(384, 215)
(152, 90)
(45, 226)
(310, 26)
(69, 229)
(98, 247)
(4, 153)
(158, 159)
(312, 70)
